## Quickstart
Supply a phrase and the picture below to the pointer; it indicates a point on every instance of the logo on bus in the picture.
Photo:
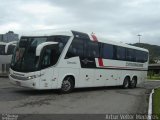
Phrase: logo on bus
(69, 62)
(134, 64)
(85, 61)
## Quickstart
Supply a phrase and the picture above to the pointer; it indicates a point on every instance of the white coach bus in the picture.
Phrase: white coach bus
(68, 60)
(6, 51)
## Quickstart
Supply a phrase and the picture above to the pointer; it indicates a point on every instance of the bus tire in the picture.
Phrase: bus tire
(133, 82)
(126, 83)
(67, 85)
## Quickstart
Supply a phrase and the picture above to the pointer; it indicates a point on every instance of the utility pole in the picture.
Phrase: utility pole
(139, 36)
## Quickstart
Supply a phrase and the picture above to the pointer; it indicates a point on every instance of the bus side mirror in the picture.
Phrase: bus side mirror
(42, 45)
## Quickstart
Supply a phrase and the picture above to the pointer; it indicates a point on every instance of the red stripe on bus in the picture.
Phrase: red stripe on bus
(94, 38)
(121, 67)
(100, 61)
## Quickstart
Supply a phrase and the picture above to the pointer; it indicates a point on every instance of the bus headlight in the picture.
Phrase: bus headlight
(33, 76)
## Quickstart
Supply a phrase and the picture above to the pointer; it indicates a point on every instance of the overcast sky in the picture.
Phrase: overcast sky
(118, 20)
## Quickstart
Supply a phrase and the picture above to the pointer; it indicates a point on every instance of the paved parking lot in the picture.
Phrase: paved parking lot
(17, 100)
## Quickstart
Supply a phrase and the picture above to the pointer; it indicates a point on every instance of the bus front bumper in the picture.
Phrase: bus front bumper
(33, 83)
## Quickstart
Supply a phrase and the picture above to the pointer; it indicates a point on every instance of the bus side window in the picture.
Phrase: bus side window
(145, 56)
(46, 58)
(141, 56)
(108, 51)
(2, 49)
(130, 55)
(49, 58)
(62, 41)
(76, 49)
(120, 53)
(10, 49)
(92, 49)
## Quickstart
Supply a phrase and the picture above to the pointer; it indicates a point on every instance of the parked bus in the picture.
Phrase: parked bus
(6, 51)
(68, 60)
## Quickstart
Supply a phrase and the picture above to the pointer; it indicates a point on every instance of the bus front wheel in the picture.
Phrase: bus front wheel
(67, 85)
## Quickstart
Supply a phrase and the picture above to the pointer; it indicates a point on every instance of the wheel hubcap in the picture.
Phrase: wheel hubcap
(133, 82)
(66, 85)
(126, 85)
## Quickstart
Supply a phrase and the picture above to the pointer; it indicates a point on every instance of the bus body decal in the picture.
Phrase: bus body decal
(94, 38)
(100, 61)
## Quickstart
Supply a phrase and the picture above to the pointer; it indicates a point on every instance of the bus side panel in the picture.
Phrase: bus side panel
(107, 77)
(100, 77)
(142, 76)
(111, 77)
(64, 72)
(68, 66)
(82, 77)
(86, 78)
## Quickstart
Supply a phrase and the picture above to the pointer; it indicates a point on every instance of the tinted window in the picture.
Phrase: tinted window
(62, 40)
(138, 56)
(107, 51)
(141, 56)
(49, 58)
(36, 41)
(10, 49)
(46, 60)
(92, 49)
(145, 54)
(120, 54)
(25, 59)
(76, 48)
(2, 49)
(130, 54)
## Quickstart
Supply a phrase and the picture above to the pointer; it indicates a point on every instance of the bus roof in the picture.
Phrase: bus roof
(70, 33)
(3, 43)
(48, 33)
(120, 44)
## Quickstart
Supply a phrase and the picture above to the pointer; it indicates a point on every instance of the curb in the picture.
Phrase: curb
(153, 80)
(150, 105)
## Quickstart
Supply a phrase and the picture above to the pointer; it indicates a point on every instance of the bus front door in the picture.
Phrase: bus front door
(47, 73)
(46, 78)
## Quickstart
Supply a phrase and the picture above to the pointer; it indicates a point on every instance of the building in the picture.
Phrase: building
(6, 58)
(9, 37)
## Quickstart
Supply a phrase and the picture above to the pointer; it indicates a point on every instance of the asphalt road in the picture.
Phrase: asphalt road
(106, 100)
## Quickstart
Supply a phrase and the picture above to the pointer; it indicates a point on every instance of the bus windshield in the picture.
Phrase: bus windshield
(24, 58)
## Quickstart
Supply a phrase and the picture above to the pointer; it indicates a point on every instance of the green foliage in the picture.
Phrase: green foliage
(150, 74)
(156, 103)
(153, 78)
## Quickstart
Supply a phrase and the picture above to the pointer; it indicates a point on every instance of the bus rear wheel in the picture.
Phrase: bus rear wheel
(126, 83)
(133, 83)
(67, 85)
